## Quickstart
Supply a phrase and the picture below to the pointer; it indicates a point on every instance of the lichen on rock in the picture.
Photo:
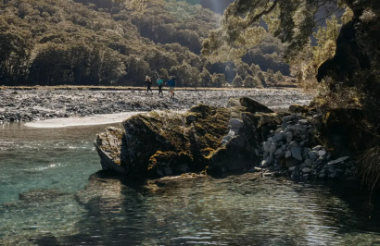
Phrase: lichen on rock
(203, 138)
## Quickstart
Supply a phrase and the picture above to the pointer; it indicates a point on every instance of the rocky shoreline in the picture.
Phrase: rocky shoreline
(244, 136)
(40, 104)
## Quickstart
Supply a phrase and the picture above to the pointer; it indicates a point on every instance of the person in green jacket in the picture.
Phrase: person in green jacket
(160, 83)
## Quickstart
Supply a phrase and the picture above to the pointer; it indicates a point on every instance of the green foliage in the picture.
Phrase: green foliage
(219, 80)
(249, 82)
(238, 82)
(93, 42)
(206, 79)
(261, 77)
(243, 70)
(278, 76)
(186, 75)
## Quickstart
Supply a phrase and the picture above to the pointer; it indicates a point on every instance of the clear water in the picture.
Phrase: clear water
(233, 210)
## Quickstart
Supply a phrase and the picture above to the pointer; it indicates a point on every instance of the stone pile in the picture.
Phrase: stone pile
(287, 151)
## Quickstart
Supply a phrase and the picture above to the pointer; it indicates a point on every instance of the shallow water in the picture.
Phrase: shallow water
(234, 210)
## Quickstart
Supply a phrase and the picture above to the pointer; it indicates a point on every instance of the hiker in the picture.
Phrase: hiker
(171, 84)
(160, 83)
(148, 83)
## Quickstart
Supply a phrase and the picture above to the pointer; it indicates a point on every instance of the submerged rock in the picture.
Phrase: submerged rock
(204, 138)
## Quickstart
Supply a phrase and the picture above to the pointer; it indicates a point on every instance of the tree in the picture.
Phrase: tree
(278, 76)
(238, 82)
(206, 80)
(261, 77)
(219, 80)
(249, 82)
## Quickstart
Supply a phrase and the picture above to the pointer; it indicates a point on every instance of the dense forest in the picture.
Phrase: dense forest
(90, 42)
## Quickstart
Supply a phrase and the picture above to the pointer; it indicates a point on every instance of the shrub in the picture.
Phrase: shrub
(238, 82)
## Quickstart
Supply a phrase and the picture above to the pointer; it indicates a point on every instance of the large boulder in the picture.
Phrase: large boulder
(204, 138)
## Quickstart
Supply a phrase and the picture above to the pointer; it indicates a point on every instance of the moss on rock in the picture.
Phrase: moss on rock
(204, 137)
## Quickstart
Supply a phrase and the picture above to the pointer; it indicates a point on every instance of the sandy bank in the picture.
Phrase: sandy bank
(100, 119)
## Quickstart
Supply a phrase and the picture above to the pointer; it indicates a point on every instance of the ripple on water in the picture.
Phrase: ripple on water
(209, 211)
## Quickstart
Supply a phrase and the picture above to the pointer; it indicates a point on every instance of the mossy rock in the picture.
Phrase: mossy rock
(301, 109)
(166, 143)
(248, 105)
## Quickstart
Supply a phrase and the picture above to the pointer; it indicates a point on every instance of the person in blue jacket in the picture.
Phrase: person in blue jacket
(171, 84)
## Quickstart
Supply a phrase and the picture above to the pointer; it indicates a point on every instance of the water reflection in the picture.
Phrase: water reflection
(77, 208)
(236, 210)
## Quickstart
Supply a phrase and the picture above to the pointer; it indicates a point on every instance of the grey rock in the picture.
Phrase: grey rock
(296, 152)
(266, 146)
(312, 155)
(308, 163)
(306, 170)
(278, 137)
(293, 143)
(333, 175)
(289, 136)
(288, 154)
(292, 168)
(279, 152)
(257, 152)
(272, 148)
(287, 118)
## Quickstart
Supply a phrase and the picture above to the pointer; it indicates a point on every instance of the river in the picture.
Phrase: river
(231, 210)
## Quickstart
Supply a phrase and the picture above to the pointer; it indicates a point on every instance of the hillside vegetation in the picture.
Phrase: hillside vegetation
(91, 42)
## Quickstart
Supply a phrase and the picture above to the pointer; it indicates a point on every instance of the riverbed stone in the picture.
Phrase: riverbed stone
(313, 155)
(339, 160)
(306, 170)
(296, 152)
(289, 136)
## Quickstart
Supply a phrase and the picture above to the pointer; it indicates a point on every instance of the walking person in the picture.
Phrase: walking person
(171, 84)
(148, 83)
(160, 83)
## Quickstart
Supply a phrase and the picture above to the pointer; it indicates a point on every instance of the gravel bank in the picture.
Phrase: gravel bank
(40, 104)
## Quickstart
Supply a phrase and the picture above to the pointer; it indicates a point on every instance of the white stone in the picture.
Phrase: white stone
(318, 147)
(322, 152)
(339, 160)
